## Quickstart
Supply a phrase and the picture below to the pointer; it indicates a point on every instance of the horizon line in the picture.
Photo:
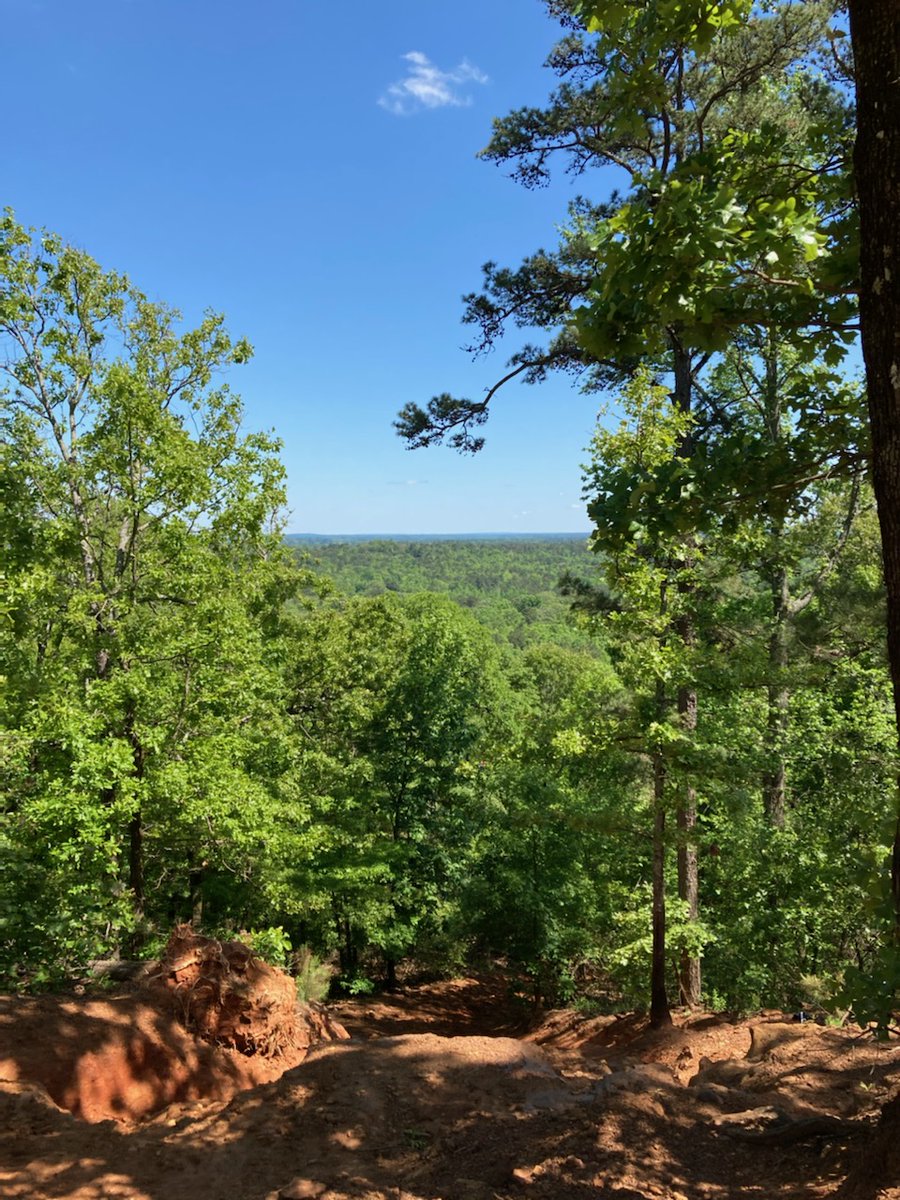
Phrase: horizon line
(516, 533)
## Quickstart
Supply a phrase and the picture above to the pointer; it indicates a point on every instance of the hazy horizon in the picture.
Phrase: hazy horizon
(498, 535)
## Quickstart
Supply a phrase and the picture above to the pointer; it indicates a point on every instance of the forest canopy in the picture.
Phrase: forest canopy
(661, 769)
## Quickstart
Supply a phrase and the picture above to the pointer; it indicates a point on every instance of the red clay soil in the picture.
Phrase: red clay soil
(600, 1109)
(876, 1172)
(210, 1021)
(486, 1004)
(227, 996)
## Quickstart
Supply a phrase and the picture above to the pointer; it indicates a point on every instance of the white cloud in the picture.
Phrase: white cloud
(427, 86)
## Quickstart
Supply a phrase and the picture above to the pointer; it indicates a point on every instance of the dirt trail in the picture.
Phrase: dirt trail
(432, 1099)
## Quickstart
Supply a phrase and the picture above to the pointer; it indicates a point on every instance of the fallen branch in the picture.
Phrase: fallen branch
(788, 1133)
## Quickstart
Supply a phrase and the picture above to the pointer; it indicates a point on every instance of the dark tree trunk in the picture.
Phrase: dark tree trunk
(349, 954)
(659, 1001)
(688, 871)
(686, 815)
(347, 951)
(875, 32)
(196, 872)
(136, 881)
(774, 781)
(390, 973)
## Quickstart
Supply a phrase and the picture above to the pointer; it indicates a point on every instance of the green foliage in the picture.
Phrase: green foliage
(636, 480)
(873, 994)
(397, 699)
(870, 987)
(738, 569)
(734, 147)
(661, 24)
(313, 977)
(510, 586)
(144, 593)
(538, 888)
(439, 762)
(358, 985)
(705, 250)
(272, 944)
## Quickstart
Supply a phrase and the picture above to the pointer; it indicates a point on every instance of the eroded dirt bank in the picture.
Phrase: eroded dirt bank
(572, 1109)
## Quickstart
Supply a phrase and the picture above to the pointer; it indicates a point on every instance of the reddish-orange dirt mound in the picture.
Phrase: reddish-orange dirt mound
(602, 1109)
(227, 996)
(125, 1057)
(212, 1021)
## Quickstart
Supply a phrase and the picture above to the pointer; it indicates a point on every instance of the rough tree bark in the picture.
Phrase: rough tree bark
(875, 33)
(659, 1001)
(688, 869)
(686, 817)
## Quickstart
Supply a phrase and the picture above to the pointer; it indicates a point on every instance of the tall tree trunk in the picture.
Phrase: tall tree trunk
(136, 864)
(136, 883)
(390, 973)
(686, 815)
(774, 776)
(659, 1001)
(136, 838)
(196, 873)
(688, 873)
(875, 32)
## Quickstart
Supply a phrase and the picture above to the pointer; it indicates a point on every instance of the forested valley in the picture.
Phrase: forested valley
(564, 844)
(647, 775)
(439, 754)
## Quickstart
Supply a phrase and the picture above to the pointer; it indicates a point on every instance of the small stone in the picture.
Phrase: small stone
(523, 1176)
(549, 1101)
(302, 1189)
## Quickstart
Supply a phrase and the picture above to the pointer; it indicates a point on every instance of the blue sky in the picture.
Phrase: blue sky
(310, 170)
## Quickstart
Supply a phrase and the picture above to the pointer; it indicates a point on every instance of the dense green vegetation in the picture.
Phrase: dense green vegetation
(672, 777)
(716, 293)
(511, 585)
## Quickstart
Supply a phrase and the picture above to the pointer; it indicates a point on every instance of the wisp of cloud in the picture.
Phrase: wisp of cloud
(427, 86)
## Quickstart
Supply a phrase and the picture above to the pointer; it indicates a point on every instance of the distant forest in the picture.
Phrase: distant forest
(510, 583)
